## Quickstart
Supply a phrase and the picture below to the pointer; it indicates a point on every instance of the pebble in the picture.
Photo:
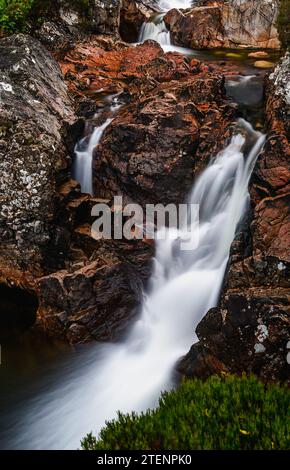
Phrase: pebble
(264, 64)
(258, 54)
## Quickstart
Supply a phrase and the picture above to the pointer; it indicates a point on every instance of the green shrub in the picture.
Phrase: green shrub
(221, 413)
(14, 15)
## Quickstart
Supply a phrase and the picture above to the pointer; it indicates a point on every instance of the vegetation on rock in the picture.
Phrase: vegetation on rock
(21, 16)
(14, 15)
(228, 412)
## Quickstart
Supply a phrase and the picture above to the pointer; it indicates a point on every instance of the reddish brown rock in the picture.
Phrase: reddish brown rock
(89, 69)
(97, 286)
(226, 24)
(166, 135)
(172, 125)
(94, 302)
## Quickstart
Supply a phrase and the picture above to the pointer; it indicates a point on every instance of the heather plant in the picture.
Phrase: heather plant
(227, 413)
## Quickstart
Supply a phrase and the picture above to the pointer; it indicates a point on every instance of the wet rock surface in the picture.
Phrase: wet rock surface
(98, 287)
(154, 148)
(46, 243)
(250, 329)
(170, 89)
(172, 124)
(228, 24)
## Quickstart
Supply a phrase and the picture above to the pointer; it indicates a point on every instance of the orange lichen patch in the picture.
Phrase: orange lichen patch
(89, 68)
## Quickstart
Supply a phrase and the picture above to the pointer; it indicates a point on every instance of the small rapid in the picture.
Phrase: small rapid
(156, 30)
(84, 150)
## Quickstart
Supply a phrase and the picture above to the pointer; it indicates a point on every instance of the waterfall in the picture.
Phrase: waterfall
(82, 171)
(155, 31)
(130, 376)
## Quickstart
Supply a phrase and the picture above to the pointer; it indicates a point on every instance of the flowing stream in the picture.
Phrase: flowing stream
(185, 285)
(74, 393)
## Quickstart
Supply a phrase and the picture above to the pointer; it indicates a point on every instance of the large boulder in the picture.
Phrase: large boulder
(226, 24)
(176, 118)
(167, 134)
(97, 297)
(99, 287)
(35, 112)
(250, 330)
(96, 16)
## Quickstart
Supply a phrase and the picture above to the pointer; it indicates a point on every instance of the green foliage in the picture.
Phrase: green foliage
(14, 15)
(284, 22)
(228, 413)
(20, 16)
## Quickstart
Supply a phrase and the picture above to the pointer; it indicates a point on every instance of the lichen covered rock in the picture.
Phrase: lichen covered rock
(227, 24)
(34, 112)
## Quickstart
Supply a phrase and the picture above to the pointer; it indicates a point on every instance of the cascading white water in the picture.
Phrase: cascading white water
(155, 31)
(82, 171)
(184, 286)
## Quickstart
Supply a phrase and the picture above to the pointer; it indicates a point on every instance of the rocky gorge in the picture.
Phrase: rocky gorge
(174, 113)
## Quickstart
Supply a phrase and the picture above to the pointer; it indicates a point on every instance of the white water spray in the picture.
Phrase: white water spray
(84, 158)
(184, 286)
(155, 31)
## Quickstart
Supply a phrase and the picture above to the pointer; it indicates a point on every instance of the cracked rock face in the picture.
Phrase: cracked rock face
(250, 329)
(85, 288)
(34, 106)
(100, 16)
(227, 24)
(68, 23)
